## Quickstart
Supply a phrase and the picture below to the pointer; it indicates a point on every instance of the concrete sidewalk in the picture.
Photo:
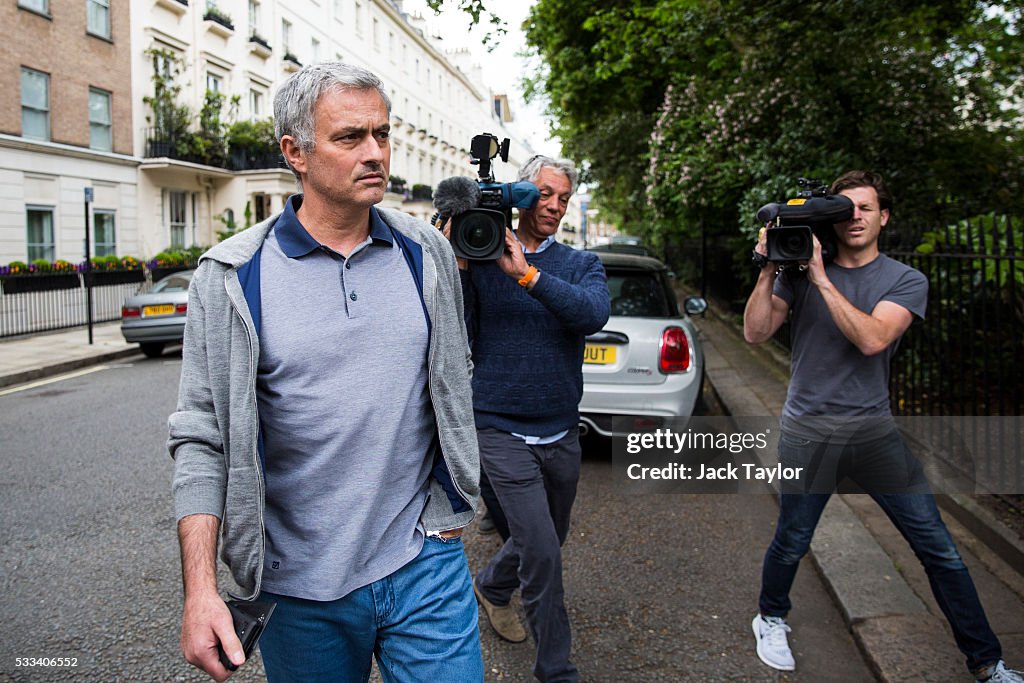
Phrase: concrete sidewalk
(874, 578)
(878, 584)
(23, 359)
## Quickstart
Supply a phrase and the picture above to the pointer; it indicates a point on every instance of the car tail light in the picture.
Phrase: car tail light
(181, 308)
(675, 351)
(130, 312)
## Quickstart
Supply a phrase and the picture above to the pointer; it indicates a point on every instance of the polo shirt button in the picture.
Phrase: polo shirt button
(353, 296)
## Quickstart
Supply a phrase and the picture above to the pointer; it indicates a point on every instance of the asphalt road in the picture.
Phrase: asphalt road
(660, 587)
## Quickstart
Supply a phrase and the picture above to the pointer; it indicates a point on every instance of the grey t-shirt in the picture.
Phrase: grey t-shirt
(829, 375)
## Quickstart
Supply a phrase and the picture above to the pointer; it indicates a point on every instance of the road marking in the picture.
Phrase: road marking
(51, 380)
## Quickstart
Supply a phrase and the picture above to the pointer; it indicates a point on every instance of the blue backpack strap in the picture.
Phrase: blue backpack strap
(413, 253)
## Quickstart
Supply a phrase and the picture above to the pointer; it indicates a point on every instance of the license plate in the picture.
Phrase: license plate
(162, 309)
(599, 355)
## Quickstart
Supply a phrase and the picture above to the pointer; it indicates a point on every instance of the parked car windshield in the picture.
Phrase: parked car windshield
(637, 294)
(172, 283)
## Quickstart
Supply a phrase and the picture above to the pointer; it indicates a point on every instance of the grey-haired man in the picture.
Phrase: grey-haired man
(324, 421)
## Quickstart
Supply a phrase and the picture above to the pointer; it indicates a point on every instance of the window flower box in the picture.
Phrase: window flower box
(48, 282)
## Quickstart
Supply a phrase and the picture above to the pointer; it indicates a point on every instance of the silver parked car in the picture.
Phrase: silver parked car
(646, 364)
(157, 317)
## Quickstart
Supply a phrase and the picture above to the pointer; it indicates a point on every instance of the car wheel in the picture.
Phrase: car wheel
(153, 349)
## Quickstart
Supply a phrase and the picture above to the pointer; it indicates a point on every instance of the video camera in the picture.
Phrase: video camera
(481, 210)
(812, 212)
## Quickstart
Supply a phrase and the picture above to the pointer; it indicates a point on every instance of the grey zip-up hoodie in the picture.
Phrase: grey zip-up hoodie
(214, 432)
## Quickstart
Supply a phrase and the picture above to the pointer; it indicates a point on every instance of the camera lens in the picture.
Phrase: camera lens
(790, 243)
(479, 234)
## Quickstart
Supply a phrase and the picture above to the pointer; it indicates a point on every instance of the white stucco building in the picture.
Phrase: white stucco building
(153, 195)
(438, 103)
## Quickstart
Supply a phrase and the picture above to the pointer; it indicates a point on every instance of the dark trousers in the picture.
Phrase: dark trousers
(536, 486)
(493, 505)
(917, 519)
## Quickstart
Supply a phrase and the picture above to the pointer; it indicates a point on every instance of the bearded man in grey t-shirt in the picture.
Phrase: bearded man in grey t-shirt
(847, 320)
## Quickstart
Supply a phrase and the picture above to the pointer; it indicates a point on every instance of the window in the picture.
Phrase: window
(41, 6)
(99, 17)
(286, 36)
(359, 18)
(178, 217)
(40, 233)
(255, 104)
(254, 17)
(35, 104)
(214, 83)
(104, 243)
(261, 204)
(376, 34)
(337, 10)
(315, 46)
(100, 133)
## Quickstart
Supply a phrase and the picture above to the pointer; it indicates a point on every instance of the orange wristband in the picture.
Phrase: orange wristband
(530, 273)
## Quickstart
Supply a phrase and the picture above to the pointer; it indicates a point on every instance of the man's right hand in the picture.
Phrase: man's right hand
(206, 623)
(762, 248)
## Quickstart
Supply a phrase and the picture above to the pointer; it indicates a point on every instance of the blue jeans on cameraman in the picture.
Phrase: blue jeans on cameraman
(420, 623)
(916, 517)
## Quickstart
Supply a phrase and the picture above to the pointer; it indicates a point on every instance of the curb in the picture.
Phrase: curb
(44, 371)
(996, 536)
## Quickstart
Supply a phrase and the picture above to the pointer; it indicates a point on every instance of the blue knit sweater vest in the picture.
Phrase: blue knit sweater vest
(527, 362)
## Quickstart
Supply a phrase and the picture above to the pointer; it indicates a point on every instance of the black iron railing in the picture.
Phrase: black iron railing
(41, 303)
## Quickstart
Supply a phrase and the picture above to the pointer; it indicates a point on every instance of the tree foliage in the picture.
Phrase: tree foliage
(695, 112)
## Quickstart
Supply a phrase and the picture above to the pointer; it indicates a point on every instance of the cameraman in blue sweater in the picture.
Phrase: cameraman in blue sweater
(528, 314)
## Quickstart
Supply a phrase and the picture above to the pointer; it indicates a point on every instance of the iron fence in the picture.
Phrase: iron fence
(967, 356)
(41, 303)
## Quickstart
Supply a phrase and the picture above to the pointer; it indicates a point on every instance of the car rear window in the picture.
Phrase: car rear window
(637, 295)
(173, 283)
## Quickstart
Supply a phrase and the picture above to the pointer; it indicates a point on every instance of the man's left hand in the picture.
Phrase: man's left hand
(513, 261)
(816, 266)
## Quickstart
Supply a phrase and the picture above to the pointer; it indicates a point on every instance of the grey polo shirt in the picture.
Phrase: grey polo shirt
(344, 409)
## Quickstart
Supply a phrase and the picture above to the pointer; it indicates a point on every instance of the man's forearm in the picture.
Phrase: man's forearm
(759, 315)
(870, 334)
(197, 535)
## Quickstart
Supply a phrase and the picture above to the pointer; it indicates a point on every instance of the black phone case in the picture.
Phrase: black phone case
(250, 618)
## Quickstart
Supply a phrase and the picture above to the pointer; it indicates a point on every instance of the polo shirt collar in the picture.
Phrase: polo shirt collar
(548, 241)
(295, 241)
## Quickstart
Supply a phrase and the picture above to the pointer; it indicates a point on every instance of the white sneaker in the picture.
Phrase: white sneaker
(772, 644)
(1000, 674)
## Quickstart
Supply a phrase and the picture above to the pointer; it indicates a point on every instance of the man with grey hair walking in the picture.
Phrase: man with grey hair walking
(528, 314)
(324, 420)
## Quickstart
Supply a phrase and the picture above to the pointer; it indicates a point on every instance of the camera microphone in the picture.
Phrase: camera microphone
(456, 195)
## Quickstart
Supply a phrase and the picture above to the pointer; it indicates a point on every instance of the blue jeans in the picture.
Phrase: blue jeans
(915, 516)
(536, 486)
(420, 623)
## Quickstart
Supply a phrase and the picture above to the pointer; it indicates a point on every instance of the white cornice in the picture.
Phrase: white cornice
(166, 38)
(62, 150)
(217, 60)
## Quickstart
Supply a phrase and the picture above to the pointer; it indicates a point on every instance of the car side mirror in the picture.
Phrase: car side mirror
(695, 305)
